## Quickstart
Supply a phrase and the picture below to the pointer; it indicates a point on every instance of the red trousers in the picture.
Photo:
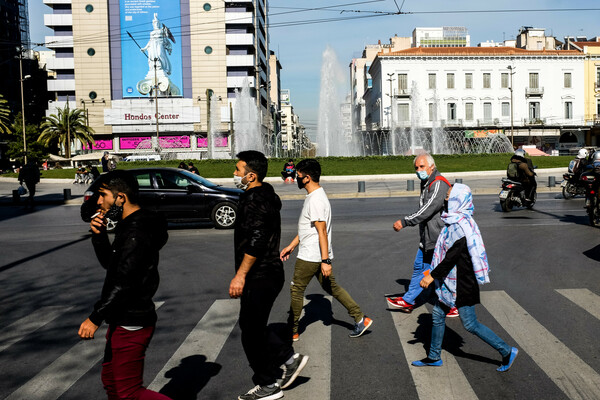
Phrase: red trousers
(123, 366)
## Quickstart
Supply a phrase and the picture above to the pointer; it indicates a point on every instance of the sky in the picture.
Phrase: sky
(300, 45)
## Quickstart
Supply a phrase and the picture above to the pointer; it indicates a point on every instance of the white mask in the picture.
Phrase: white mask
(237, 180)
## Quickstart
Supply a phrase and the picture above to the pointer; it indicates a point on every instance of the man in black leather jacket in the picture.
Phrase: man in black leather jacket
(259, 278)
(131, 264)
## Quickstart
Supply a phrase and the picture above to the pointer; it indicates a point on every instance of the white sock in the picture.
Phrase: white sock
(290, 360)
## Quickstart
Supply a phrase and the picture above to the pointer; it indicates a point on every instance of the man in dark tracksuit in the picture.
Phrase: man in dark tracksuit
(258, 280)
(431, 203)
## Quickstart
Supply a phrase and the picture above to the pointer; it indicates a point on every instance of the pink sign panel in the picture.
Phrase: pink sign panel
(219, 142)
(175, 142)
(101, 145)
(130, 143)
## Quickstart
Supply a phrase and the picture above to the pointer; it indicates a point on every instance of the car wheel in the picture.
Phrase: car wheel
(223, 215)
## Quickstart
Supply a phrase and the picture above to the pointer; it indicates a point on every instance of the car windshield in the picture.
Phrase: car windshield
(197, 178)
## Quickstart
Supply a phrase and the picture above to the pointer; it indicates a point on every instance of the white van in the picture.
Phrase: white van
(146, 157)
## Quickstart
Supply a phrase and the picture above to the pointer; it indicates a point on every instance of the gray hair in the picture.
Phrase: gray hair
(427, 156)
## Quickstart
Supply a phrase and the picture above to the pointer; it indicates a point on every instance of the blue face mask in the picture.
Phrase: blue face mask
(422, 175)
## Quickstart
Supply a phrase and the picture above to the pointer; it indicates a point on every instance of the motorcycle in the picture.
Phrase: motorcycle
(513, 195)
(572, 186)
(591, 180)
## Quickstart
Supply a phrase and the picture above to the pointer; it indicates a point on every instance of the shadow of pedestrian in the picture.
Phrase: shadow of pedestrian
(593, 253)
(319, 309)
(189, 377)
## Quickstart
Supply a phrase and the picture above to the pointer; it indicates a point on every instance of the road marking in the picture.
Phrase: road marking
(207, 338)
(54, 380)
(446, 382)
(314, 342)
(24, 326)
(584, 298)
(571, 374)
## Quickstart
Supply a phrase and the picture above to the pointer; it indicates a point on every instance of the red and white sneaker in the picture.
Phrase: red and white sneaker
(453, 313)
(399, 303)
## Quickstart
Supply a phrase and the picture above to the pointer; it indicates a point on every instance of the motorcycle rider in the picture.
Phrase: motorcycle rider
(520, 169)
(580, 163)
(289, 170)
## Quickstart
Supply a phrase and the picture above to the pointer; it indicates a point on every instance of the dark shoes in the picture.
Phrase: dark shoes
(291, 372)
(263, 393)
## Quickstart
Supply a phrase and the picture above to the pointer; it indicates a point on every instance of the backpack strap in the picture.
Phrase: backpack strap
(439, 178)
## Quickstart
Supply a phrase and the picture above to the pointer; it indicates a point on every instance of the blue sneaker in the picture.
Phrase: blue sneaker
(508, 360)
(361, 327)
(428, 362)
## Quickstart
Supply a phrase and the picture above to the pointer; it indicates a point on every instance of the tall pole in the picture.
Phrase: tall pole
(208, 124)
(157, 148)
(68, 145)
(231, 132)
(512, 137)
(23, 105)
(393, 139)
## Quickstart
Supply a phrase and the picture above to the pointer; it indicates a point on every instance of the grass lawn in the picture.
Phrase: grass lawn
(372, 165)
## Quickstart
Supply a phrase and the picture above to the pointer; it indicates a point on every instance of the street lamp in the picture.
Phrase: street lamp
(392, 136)
(21, 79)
(512, 138)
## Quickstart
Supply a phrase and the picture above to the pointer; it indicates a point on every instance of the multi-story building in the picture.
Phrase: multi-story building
(294, 140)
(445, 36)
(535, 96)
(109, 56)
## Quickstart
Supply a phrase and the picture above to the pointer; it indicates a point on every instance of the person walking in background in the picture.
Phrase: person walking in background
(193, 169)
(30, 174)
(132, 278)
(315, 254)
(105, 162)
(259, 278)
(431, 203)
(182, 165)
(458, 267)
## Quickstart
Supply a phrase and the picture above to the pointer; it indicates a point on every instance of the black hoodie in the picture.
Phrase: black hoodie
(131, 264)
(258, 232)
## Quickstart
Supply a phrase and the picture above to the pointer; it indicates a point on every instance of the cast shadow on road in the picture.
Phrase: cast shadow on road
(452, 340)
(43, 202)
(43, 253)
(319, 309)
(593, 253)
(189, 377)
(567, 218)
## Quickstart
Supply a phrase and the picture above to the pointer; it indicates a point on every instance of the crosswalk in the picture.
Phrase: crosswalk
(571, 375)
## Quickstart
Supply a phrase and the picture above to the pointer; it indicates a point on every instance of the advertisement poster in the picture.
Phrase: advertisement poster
(219, 142)
(131, 143)
(175, 142)
(101, 144)
(481, 133)
(151, 46)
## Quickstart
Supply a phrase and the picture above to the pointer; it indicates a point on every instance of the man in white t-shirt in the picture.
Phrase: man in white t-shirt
(315, 252)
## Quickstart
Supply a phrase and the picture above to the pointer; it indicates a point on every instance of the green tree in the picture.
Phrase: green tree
(65, 127)
(35, 149)
(4, 116)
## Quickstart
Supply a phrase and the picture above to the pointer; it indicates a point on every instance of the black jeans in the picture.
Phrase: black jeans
(265, 348)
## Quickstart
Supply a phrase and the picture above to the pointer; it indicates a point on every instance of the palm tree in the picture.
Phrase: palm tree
(4, 116)
(65, 127)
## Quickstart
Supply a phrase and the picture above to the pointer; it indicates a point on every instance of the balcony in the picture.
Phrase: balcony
(240, 60)
(56, 42)
(54, 64)
(597, 87)
(239, 18)
(239, 39)
(453, 122)
(596, 119)
(403, 94)
(61, 85)
(238, 81)
(534, 121)
(534, 92)
(51, 20)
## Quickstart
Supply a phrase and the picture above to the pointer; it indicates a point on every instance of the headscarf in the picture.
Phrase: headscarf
(459, 223)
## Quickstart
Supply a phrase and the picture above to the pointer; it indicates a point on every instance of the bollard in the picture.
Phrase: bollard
(67, 194)
(551, 181)
(458, 180)
(410, 186)
(16, 198)
(361, 186)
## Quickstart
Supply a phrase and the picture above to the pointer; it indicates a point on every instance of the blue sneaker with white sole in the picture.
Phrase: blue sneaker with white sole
(428, 362)
(507, 361)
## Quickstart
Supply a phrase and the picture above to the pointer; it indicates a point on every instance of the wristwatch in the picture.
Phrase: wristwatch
(326, 261)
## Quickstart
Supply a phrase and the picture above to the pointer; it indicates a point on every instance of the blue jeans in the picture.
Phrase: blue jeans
(414, 289)
(469, 321)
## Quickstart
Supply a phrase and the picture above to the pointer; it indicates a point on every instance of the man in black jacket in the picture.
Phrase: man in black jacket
(131, 264)
(259, 278)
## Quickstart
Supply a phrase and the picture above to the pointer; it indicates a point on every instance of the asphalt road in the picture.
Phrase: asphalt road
(544, 298)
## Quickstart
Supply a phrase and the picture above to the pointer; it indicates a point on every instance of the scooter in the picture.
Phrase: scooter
(572, 186)
(513, 195)
(591, 180)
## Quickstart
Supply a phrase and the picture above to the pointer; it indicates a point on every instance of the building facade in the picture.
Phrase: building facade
(445, 36)
(167, 69)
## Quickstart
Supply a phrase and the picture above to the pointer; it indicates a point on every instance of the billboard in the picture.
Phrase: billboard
(481, 133)
(151, 46)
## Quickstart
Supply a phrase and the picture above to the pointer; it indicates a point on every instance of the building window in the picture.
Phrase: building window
(93, 95)
(432, 112)
(91, 52)
(568, 110)
(534, 82)
(402, 82)
(432, 81)
(403, 112)
(451, 111)
(208, 50)
(89, 8)
(487, 80)
(206, 7)
(505, 109)
(469, 80)
(487, 111)
(534, 111)
(504, 80)
(469, 111)
(597, 77)
(567, 79)
(450, 81)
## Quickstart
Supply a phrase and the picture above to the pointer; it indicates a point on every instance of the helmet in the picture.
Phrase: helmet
(596, 156)
(583, 153)
(520, 153)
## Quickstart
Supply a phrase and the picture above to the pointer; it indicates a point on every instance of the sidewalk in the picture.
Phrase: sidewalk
(50, 191)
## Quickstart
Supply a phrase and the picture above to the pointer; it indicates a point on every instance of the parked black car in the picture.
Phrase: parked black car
(179, 195)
